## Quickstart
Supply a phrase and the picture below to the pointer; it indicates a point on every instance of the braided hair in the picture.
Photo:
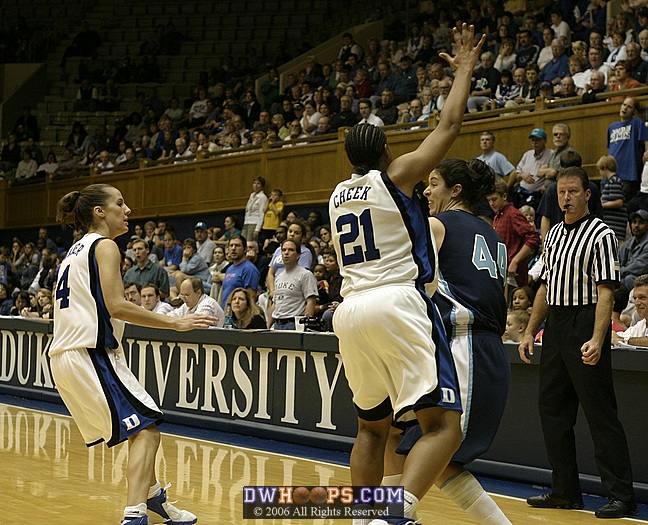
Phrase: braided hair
(364, 146)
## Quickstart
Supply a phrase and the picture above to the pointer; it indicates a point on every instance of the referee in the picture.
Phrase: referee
(580, 272)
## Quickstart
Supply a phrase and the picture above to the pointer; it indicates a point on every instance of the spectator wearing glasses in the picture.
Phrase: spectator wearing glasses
(196, 301)
(561, 135)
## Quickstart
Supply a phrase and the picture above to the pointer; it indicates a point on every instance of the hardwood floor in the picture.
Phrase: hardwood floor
(49, 477)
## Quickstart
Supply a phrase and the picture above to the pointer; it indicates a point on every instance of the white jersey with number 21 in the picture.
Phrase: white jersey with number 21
(380, 235)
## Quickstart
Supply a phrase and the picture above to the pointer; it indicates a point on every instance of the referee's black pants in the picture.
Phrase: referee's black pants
(565, 381)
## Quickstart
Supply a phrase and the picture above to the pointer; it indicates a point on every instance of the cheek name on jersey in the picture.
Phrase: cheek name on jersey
(352, 194)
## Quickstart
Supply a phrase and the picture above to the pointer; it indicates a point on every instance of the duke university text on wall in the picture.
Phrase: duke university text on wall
(275, 383)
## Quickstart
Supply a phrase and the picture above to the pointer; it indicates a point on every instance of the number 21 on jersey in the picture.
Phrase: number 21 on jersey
(483, 259)
(349, 226)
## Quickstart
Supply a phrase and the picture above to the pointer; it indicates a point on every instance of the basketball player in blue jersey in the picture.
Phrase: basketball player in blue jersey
(103, 396)
(396, 358)
(470, 296)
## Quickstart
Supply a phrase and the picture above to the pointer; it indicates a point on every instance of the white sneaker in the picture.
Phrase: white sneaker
(164, 508)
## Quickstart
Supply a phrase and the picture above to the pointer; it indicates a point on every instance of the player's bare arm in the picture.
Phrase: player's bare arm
(108, 260)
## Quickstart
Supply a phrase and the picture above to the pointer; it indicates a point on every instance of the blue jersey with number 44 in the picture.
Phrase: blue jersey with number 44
(380, 235)
(472, 270)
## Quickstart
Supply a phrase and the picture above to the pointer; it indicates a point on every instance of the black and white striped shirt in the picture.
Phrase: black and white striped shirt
(577, 258)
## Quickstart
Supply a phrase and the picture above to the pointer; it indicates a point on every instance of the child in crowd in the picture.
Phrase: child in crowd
(516, 323)
(522, 299)
(272, 217)
(529, 213)
(615, 214)
(322, 284)
(506, 90)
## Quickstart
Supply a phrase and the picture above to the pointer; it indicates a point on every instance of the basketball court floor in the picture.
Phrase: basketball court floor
(49, 477)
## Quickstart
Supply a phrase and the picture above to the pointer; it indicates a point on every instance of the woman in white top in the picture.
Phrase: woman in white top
(311, 117)
(506, 57)
(51, 165)
(27, 167)
(545, 55)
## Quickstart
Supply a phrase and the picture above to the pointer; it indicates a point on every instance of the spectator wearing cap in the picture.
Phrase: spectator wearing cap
(406, 81)
(525, 185)
(633, 254)
(546, 90)
(558, 66)
(205, 246)
(298, 110)
(255, 210)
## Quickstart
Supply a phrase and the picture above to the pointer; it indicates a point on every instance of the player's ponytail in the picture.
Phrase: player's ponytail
(364, 146)
(77, 207)
(485, 180)
(477, 179)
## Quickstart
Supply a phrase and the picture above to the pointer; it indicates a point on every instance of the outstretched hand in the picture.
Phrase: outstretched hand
(467, 53)
(191, 321)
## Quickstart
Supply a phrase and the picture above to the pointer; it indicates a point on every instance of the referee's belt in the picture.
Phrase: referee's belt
(285, 320)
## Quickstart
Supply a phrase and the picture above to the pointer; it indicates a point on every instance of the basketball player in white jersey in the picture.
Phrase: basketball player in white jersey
(87, 361)
(391, 338)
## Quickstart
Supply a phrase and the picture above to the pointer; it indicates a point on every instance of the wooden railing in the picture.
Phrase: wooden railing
(306, 173)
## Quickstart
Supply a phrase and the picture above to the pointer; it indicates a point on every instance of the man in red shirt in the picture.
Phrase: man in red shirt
(520, 237)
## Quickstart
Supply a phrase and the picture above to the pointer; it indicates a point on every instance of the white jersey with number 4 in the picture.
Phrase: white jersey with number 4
(381, 235)
(81, 319)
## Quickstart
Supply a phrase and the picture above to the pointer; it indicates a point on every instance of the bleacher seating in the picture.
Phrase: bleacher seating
(228, 28)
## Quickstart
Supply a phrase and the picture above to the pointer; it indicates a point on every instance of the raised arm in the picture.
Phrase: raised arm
(409, 169)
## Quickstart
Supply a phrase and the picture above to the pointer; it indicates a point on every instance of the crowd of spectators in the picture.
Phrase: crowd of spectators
(559, 50)
(206, 272)
(553, 52)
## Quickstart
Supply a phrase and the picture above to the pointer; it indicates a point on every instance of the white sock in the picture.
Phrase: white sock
(391, 481)
(135, 511)
(154, 490)
(411, 502)
(486, 511)
(468, 494)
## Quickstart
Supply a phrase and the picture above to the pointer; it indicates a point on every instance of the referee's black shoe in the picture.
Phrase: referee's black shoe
(615, 508)
(549, 500)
